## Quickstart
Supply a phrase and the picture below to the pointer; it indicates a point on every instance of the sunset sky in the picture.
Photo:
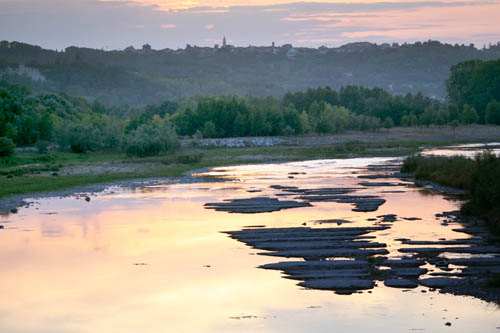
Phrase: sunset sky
(116, 24)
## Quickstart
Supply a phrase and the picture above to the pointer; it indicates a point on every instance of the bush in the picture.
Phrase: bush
(82, 138)
(479, 176)
(6, 146)
(454, 123)
(209, 130)
(388, 123)
(42, 146)
(453, 171)
(189, 158)
(288, 131)
(485, 182)
(151, 139)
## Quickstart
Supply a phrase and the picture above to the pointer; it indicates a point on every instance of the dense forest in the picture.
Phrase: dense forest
(476, 84)
(27, 118)
(146, 76)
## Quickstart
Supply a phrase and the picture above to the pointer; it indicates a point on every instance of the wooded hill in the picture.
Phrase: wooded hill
(144, 76)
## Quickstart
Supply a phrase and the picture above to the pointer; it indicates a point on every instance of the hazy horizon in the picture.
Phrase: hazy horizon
(117, 24)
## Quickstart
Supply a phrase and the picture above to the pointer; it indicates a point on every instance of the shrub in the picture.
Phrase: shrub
(485, 185)
(189, 158)
(479, 176)
(112, 134)
(151, 139)
(454, 123)
(6, 146)
(453, 171)
(288, 131)
(209, 130)
(388, 123)
(42, 146)
(82, 138)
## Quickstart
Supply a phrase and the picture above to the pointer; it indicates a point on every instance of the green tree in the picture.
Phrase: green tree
(151, 139)
(6, 146)
(241, 125)
(475, 83)
(469, 115)
(493, 113)
(305, 123)
(291, 118)
(209, 130)
(83, 137)
(427, 117)
(453, 112)
(27, 132)
(46, 126)
(388, 123)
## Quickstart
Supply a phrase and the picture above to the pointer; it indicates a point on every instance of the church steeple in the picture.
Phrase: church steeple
(224, 42)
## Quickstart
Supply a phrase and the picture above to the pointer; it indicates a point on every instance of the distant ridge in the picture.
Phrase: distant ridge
(141, 76)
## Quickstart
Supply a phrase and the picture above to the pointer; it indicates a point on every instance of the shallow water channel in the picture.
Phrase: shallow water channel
(153, 259)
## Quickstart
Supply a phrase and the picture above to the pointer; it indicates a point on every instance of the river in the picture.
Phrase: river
(154, 259)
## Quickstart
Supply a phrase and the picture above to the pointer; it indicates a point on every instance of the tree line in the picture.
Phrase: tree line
(76, 124)
(27, 119)
(475, 85)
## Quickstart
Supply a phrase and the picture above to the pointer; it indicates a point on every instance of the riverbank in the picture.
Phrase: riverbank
(30, 174)
(478, 177)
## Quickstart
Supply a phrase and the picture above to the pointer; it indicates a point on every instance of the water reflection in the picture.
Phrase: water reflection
(468, 150)
(153, 259)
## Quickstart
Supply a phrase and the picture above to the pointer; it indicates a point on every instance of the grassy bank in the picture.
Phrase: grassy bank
(33, 172)
(479, 176)
(30, 172)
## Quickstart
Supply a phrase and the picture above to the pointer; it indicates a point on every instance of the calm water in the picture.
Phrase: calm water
(152, 259)
(469, 150)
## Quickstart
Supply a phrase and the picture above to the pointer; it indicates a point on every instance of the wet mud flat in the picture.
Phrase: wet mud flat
(347, 260)
(303, 198)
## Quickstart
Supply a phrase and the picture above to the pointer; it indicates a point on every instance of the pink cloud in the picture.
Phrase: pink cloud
(423, 22)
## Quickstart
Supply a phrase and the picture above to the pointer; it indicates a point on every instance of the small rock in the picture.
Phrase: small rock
(400, 283)
(440, 282)
(388, 217)
(348, 285)
(447, 323)
(87, 198)
(13, 210)
(412, 218)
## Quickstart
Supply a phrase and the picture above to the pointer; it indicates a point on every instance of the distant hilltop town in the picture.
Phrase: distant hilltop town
(287, 49)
